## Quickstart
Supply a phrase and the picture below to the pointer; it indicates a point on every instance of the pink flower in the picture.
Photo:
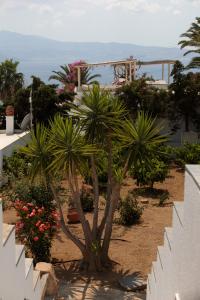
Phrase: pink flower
(38, 223)
(42, 228)
(32, 214)
(25, 208)
(36, 238)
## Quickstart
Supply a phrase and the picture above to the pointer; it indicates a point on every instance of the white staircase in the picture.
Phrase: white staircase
(18, 279)
(175, 273)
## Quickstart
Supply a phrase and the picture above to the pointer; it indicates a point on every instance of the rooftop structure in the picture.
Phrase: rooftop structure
(125, 69)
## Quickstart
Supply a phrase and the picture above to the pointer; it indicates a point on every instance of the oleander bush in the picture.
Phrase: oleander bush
(38, 220)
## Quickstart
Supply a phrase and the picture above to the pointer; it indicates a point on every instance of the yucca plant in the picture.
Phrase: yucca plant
(101, 126)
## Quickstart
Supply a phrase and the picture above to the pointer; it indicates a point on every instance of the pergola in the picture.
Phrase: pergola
(128, 66)
(160, 62)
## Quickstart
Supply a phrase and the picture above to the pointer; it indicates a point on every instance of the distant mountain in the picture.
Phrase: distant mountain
(40, 56)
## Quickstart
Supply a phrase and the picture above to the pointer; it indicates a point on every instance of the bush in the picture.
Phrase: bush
(151, 171)
(188, 154)
(38, 220)
(129, 210)
(87, 200)
(17, 166)
(166, 153)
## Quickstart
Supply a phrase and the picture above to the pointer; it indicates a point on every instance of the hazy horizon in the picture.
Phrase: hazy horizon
(139, 22)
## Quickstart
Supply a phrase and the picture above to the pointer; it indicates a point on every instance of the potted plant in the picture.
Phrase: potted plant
(73, 216)
(10, 110)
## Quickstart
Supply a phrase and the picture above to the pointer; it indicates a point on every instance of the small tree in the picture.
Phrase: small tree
(138, 95)
(184, 96)
(10, 80)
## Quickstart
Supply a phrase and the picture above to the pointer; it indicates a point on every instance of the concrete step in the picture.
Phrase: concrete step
(168, 237)
(43, 283)
(28, 266)
(1, 220)
(36, 278)
(178, 213)
(8, 231)
(19, 251)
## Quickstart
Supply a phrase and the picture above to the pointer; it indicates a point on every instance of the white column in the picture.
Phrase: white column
(79, 79)
(9, 125)
(130, 72)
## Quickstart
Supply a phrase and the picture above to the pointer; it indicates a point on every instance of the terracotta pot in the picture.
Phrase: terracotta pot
(73, 216)
(10, 110)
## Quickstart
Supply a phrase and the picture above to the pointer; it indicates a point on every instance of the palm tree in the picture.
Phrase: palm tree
(10, 80)
(61, 76)
(192, 41)
(69, 75)
(69, 147)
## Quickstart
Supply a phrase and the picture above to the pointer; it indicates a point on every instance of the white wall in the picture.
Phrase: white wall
(177, 269)
(8, 144)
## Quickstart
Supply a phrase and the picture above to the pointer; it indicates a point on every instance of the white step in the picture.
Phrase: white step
(1, 220)
(178, 213)
(28, 266)
(37, 285)
(156, 277)
(36, 278)
(8, 231)
(168, 237)
(20, 251)
(149, 288)
(160, 256)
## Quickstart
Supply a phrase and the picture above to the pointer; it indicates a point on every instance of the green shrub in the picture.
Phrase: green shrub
(188, 154)
(39, 195)
(147, 172)
(16, 166)
(129, 210)
(166, 153)
(38, 220)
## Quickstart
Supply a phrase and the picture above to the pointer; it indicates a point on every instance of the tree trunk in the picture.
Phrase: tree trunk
(109, 222)
(109, 187)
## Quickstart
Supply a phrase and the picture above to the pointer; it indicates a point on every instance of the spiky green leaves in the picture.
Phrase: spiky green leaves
(99, 113)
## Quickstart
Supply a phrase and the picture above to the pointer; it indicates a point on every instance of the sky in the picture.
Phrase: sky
(142, 22)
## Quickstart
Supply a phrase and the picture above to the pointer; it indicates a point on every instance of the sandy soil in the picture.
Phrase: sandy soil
(132, 248)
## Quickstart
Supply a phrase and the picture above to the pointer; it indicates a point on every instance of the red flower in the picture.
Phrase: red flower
(36, 238)
(25, 208)
(38, 223)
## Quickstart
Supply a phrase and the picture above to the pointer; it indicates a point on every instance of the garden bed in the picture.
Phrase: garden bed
(132, 248)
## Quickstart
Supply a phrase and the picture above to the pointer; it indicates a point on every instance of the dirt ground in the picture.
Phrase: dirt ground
(132, 248)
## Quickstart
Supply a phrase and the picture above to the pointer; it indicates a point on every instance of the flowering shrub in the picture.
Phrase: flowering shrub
(36, 228)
